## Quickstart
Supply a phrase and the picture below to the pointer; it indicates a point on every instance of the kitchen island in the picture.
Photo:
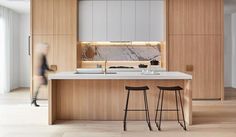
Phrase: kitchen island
(97, 97)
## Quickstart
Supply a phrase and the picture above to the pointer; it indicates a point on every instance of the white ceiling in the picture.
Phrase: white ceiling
(230, 6)
(20, 6)
(23, 6)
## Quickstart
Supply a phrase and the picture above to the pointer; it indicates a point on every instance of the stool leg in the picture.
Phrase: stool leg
(147, 110)
(177, 106)
(158, 101)
(161, 110)
(181, 104)
(126, 110)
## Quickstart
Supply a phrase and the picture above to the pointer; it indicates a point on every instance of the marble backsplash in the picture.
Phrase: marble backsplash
(121, 52)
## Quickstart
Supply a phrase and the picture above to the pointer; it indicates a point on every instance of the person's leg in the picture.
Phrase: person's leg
(34, 101)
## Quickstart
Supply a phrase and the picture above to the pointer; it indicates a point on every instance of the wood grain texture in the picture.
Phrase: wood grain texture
(195, 17)
(204, 17)
(65, 17)
(54, 22)
(195, 38)
(105, 99)
(65, 52)
(42, 16)
(177, 16)
(203, 52)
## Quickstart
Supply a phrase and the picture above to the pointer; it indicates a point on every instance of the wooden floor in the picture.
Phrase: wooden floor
(19, 119)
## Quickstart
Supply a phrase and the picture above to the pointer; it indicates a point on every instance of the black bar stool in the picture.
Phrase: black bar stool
(177, 90)
(144, 89)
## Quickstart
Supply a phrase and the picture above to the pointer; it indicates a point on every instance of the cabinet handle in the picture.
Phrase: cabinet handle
(189, 68)
(29, 48)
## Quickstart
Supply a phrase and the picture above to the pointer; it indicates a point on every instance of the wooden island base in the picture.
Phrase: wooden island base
(105, 99)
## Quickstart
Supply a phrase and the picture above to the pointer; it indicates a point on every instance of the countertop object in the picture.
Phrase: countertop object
(121, 76)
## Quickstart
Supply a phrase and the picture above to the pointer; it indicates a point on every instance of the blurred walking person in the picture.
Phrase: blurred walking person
(41, 69)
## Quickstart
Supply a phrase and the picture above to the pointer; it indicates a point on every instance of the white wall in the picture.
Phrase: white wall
(14, 53)
(234, 50)
(24, 58)
(19, 58)
(227, 51)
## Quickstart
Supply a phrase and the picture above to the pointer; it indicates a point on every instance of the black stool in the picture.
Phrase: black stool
(144, 89)
(177, 90)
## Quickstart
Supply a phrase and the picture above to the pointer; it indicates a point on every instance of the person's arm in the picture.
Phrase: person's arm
(46, 65)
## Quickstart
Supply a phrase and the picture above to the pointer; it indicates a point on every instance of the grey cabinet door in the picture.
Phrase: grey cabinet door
(114, 20)
(128, 20)
(100, 20)
(157, 20)
(142, 21)
(85, 28)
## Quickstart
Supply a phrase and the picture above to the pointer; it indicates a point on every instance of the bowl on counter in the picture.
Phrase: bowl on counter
(142, 66)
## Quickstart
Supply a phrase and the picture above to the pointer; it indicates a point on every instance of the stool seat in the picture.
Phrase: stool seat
(170, 88)
(136, 88)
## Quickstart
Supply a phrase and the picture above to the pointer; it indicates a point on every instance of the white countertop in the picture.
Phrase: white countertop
(120, 75)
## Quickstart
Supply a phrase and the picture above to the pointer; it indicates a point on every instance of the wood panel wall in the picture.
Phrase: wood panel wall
(195, 44)
(54, 22)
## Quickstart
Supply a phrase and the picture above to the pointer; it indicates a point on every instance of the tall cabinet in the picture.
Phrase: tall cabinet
(195, 39)
(54, 22)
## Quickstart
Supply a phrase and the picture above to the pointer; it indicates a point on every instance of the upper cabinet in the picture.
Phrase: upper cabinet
(119, 20)
(114, 20)
(42, 16)
(142, 19)
(128, 20)
(65, 17)
(210, 22)
(85, 29)
(54, 17)
(157, 20)
(99, 20)
(195, 16)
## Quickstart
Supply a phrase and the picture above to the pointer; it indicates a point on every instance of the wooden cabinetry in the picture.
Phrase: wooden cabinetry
(65, 52)
(54, 22)
(42, 16)
(65, 17)
(195, 40)
(203, 53)
(195, 16)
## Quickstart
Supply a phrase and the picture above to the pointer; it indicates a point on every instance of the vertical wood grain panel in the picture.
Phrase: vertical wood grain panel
(65, 52)
(177, 16)
(204, 17)
(42, 16)
(65, 17)
(195, 39)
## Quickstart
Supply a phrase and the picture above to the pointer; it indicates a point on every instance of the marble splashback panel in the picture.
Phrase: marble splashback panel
(121, 52)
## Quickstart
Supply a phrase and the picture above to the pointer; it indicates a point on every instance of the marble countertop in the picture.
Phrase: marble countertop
(121, 76)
